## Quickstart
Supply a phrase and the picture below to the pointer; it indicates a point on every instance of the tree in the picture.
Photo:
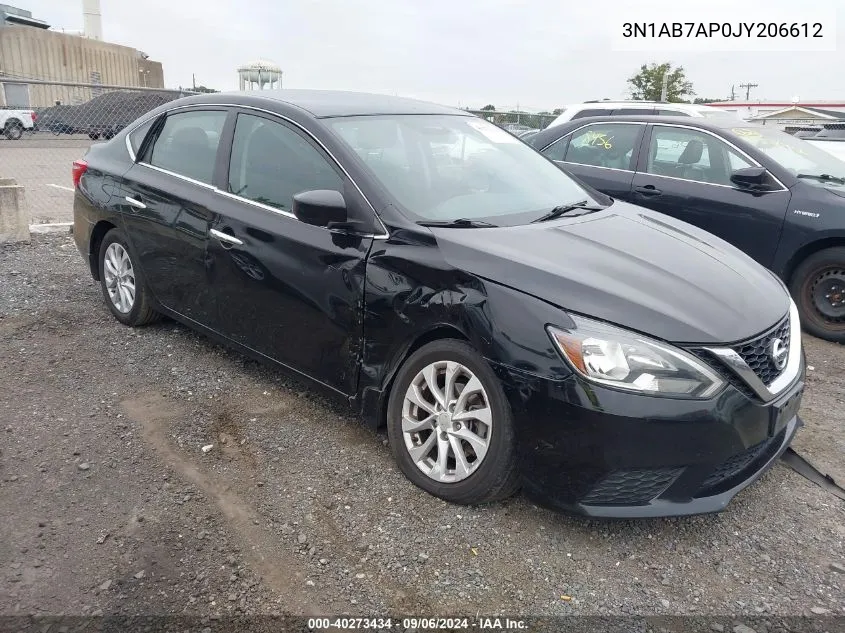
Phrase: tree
(557, 111)
(489, 108)
(647, 85)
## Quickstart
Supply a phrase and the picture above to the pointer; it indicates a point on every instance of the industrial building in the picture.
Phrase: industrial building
(31, 50)
(784, 113)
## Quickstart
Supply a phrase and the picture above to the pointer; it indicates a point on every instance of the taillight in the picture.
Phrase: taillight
(34, 116)
(79, 167)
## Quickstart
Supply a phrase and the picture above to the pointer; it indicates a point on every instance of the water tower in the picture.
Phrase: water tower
(260, 73)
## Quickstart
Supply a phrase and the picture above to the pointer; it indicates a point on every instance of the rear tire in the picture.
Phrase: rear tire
(478, 463)
(14, 130)
(818, 287)
(122, 282)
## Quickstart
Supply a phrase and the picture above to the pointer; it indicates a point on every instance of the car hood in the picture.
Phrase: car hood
(629, 266)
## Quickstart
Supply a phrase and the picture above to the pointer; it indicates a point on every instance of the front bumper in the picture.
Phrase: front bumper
(603, 452)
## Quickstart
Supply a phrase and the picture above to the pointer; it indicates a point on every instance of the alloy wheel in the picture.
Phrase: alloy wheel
(447, 421)
(119, 277)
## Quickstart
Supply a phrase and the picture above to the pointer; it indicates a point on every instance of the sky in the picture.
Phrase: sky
(537, 54)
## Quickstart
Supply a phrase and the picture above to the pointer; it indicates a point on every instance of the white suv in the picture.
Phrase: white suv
(609, 108)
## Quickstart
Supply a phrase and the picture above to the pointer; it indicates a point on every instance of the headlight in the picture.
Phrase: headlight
(627, 360)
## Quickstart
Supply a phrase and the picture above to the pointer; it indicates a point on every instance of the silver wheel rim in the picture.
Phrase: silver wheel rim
(119, 277)
(446, 421)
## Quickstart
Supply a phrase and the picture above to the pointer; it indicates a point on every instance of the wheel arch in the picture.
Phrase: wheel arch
(806, 251)
(374, 402)
(97, 234)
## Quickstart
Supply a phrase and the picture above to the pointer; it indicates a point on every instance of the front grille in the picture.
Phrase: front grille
(631, 487)
(757, 353)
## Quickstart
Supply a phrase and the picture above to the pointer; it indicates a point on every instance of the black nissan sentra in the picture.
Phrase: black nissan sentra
(509, 326)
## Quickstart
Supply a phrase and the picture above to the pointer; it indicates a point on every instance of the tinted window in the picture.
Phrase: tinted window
(604, 145)
(136, 137)
(558, 150)
(592, 112)
(692, 155)
(623, 111)
(271, 163)
(187, 144)
(672, 113)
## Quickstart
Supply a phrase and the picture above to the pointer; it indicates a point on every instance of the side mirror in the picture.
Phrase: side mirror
(753, 178)
(320, 207)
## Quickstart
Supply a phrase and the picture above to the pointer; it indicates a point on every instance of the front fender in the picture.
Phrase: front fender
(412, 296)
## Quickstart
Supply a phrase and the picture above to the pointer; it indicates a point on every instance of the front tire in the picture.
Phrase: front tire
(122, 282)
(14, 130)
(450, 425)
(818, 287)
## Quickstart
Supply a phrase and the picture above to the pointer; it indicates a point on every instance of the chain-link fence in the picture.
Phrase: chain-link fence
(45, 126)
(516, 122)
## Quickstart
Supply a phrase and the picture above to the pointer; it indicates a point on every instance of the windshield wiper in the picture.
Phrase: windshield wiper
(460, 223)
(564, 209)
(823, 178)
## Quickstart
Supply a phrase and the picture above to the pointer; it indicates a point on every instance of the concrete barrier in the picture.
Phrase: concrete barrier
(14, 214)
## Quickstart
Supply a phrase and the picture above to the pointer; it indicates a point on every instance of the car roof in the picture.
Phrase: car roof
(332, 103)
(587, 105)
(553, 132)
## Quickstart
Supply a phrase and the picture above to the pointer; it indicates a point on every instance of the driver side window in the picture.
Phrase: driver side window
(608, 145)
(692, 155)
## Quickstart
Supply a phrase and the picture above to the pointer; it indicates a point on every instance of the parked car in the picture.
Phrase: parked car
(775, 196)
(830, 138)
(639, 108)
(508, 325)
(517, 129)
(13, 123)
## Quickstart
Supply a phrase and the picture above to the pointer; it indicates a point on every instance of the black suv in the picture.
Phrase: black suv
(773, 195)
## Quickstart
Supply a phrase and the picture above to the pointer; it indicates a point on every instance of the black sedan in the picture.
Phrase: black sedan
(773, 195)
(506, 324)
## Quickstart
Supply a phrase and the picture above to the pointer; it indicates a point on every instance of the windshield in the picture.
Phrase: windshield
(794, 154)
(444, 167)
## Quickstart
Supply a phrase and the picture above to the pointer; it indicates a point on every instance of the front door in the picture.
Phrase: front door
(167, 199)
(601, 154)
(288, 290)
(686, 173)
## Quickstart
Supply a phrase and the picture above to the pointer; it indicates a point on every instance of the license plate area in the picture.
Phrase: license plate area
(784, 411)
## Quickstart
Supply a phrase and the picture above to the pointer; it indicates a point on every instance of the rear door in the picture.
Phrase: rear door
(601, 154)
(288, 290)
(166, 200)
(685, 172)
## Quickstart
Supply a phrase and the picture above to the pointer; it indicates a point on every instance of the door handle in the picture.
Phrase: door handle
(648, 190)
(225, 237)
(135, 202)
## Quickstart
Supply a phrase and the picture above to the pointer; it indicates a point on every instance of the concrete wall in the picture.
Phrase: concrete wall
(27, 52)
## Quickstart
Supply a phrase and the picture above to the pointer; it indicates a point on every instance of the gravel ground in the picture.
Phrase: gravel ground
(110, 505)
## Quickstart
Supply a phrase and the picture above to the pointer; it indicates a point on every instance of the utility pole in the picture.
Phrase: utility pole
(748, 87)
(664, 91)
(194, 80)
(733, 92)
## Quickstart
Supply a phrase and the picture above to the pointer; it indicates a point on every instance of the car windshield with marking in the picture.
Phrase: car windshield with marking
(446, 167)
(797, 155)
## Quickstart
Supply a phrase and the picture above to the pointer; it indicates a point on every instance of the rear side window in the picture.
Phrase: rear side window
(638, 111)
(604, 145)
(187, 144)
(137, 136)
(590, 112)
